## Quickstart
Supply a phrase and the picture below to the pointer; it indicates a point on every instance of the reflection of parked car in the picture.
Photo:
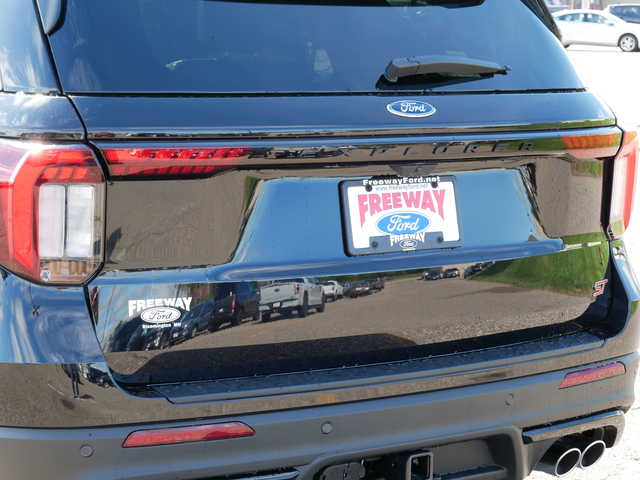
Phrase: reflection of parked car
(376, 283)
(451, 272)
(432, 275)
(137, 335)
(629, 12)
(591, 27)
(196, 320)
(98, 376)
(333, 289)
(285, 296)
(473, 269)
(234, 302)
(357, 289)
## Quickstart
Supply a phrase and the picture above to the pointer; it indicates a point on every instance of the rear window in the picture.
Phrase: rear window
(205, 46)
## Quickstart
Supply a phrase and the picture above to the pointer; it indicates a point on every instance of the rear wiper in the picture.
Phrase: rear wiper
(440, 64)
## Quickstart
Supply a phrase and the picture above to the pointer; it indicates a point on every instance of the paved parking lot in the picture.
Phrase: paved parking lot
(613, 74)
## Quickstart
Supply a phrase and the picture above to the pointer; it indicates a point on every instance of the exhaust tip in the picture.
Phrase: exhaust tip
(567, 462)
(562, 459)
(592, 454)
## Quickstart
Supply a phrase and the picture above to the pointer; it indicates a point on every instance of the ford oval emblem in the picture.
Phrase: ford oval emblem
(411, 108)
(402, 223)
(410, 243)
(160, 314)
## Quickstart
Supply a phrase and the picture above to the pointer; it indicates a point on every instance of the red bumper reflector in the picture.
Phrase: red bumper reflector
(193, 433)
(169, 161)
(593, 375)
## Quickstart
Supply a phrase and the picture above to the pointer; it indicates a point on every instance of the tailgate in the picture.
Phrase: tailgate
(518, 216)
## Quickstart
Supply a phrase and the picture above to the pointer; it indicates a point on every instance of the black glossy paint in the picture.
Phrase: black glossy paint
(25, 63)
(325, 117)
(270, 223)
(44, 325)
(39, 117)
(289, 223)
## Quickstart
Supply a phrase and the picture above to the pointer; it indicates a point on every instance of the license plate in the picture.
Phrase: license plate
(400, 214)
(276, 304)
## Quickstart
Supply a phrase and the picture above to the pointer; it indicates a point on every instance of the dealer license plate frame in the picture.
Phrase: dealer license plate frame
(361, 227)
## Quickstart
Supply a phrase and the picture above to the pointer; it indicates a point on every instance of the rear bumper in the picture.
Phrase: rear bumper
(467, 415)
(465, 428)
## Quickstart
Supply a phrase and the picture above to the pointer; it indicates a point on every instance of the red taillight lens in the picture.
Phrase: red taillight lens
(593, 375)
(195, 433)
(623, 185)
(296, 289)
(165, 160)
(51, 211)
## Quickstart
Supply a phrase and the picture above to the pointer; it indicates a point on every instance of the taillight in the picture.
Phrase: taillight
(233, 303)
(623, 184)
(296, 289)
(193, 433)
(51, 203)
(164, 160)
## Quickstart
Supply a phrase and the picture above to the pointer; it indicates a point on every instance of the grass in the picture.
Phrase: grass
(572, 271)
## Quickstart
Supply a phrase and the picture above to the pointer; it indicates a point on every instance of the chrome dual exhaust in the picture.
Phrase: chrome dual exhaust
(574, 451)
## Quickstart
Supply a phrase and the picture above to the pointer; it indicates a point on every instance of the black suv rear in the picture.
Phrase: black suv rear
(154, 152)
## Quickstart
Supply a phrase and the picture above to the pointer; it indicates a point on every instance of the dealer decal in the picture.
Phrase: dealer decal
(159, 304)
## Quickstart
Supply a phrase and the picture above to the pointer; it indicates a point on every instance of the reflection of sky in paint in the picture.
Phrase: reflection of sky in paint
(502, 197)
(20, 340)
(45, 325)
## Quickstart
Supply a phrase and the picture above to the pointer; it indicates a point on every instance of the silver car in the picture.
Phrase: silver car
(590, 27)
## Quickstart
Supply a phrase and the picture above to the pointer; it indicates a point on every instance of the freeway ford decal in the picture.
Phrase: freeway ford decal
(400, 214)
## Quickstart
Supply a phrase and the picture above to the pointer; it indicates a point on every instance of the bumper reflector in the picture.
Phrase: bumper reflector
(593, 375)
(192, 433)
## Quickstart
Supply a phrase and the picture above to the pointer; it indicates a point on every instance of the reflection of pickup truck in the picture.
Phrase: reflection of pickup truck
(333, 290)
(285, 296)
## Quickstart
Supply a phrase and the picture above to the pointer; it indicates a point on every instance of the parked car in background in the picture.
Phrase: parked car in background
(629, 12)
(592, 27)
(156, 155)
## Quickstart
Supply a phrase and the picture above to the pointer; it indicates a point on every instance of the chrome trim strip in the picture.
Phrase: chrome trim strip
(425, 148)
(275, 476)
